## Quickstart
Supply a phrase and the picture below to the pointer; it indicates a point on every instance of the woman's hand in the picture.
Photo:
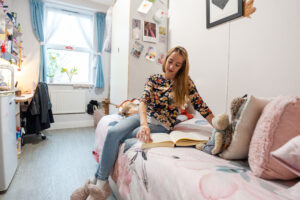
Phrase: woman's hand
(209, 118)
(144, 134)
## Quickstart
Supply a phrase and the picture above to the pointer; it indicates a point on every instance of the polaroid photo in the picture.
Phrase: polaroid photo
(162, 34)
(149, 32)
(151, 54)
(145, 7)
(137, 49)
(136, 29)
(160, 58)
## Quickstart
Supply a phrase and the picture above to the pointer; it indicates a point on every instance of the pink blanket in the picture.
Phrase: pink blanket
(187, 173)
(182, 173)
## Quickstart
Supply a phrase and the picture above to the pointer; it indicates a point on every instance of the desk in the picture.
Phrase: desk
(24, 98)
(22, 103)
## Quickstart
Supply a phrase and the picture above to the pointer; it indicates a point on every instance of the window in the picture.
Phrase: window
(69, 45)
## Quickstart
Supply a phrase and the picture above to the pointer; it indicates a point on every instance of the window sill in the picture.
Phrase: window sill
(75, 85)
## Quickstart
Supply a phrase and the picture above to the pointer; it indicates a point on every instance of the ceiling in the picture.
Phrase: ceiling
(105, 2)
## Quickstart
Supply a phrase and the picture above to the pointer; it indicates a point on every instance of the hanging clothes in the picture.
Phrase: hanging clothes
(39, 114)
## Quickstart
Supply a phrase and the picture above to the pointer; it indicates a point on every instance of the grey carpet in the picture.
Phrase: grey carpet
(52, 169)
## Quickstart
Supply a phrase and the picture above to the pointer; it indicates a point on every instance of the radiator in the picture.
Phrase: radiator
(67, 101)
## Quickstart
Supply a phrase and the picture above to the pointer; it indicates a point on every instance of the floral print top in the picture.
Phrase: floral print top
(157, 96)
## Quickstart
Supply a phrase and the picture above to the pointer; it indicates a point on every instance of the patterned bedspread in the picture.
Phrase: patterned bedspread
(182, 172)
(187, 173)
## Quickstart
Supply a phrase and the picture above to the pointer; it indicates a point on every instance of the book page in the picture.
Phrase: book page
(193, 136)
(159, 140)
(160, 137)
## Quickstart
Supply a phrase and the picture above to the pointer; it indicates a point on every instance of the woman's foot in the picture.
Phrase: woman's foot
(81, 193)
(99, 193)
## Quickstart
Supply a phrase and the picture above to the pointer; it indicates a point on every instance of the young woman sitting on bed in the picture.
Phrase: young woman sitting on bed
(163, 95)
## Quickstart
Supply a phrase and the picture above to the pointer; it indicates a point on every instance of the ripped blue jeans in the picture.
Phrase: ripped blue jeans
(127, 128)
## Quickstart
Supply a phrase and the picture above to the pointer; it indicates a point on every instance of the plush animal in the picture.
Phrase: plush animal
(217, 144)
(128, 108)
(214, 145)
(183, 116)
(236, 105)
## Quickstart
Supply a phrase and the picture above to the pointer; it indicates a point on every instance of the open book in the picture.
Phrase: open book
(178, 138)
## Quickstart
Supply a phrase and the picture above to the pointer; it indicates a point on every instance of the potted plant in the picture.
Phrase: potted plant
(73, 71)
(52, 67)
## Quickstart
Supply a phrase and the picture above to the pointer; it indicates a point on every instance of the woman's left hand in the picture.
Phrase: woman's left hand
(144, 134)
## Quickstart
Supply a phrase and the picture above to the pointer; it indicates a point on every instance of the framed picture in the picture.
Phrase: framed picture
(149, 32)
(220, 11)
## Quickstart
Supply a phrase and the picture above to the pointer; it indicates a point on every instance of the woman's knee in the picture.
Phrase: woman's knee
(123, 128)
(112, 133)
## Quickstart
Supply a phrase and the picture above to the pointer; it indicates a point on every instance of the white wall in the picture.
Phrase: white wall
(128, 73)
(30, 69)
(137, 80)
(260, 56)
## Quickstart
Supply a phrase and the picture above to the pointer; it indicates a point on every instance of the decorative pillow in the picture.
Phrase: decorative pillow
(249, 113)
(278, 124)
(289, 155)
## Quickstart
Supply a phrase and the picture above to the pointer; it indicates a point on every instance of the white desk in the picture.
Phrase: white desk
(22, 103)
(24, 98)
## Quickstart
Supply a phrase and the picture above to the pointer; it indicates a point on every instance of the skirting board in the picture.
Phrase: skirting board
(72, 124)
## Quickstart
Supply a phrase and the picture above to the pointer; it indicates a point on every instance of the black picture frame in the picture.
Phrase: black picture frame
(222, 11)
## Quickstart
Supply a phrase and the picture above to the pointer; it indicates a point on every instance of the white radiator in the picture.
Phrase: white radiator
(67, 101)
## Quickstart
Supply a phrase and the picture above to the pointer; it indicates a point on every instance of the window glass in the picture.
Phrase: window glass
(68, 66)
(69, 46)
(69, 29)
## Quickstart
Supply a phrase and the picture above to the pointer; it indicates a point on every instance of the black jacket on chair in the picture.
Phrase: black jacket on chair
(39, 114)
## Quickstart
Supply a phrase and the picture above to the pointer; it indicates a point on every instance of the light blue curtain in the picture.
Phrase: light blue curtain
(37, 19)
(100, 18)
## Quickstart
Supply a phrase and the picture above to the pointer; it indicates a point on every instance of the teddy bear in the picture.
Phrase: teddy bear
(223, 129)
(214, 144)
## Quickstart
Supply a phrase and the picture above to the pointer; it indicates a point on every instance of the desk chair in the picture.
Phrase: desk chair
(38, 114)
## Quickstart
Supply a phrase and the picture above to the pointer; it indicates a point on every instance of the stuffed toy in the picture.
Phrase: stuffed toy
(129, 107)
(217, 144)
(184, 115)
(214, 145)
(236, 104)
(186, 112)
(248, 8)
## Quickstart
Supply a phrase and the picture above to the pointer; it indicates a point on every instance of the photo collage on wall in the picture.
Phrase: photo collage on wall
(147, 32)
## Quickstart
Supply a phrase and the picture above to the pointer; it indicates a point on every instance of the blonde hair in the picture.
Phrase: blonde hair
(180, 91)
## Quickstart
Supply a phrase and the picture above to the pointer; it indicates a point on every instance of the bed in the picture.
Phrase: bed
(182, 172)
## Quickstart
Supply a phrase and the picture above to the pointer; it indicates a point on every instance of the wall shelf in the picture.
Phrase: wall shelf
(12, 32)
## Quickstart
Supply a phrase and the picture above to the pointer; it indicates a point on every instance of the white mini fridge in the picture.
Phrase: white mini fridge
(8, 147)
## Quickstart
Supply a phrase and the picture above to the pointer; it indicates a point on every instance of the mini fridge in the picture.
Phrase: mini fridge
(8, 148)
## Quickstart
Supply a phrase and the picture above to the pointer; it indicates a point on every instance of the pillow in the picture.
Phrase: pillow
(249, 113)
(278, 124)
(289, 155)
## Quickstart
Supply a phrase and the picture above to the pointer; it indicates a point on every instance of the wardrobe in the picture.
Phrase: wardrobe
(129, 73)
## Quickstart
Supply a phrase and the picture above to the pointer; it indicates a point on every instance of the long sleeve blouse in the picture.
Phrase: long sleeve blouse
(160, 103)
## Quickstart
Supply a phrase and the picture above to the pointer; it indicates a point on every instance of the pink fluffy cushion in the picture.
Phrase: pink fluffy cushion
(278, 123)
(289, 155)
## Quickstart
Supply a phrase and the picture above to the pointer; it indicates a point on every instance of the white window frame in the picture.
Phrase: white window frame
(72, 11)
